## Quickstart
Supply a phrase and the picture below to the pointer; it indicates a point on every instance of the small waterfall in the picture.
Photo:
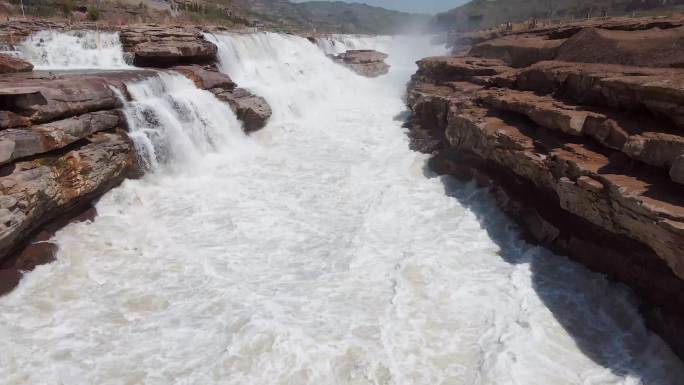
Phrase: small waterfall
(337, 44)
(52, 50)
(173, 121)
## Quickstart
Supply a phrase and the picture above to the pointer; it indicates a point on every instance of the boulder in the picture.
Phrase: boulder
(367, 63)
(251, 109)
(154, 46)
(9, 64)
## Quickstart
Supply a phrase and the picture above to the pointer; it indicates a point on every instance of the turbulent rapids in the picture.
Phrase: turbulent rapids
(74, 50)
(316, 251)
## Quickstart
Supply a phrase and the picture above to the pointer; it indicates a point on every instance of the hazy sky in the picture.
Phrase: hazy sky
(423, 6)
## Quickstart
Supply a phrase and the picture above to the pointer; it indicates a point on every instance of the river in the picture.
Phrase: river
(319, 250)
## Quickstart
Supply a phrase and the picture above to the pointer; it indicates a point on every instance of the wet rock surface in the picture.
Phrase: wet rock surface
(251, 109)
(586, 154)
(62, 144)
(62, 133)
(367, 63)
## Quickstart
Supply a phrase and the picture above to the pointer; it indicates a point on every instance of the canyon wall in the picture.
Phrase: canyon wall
(578, 130)
(63, 134)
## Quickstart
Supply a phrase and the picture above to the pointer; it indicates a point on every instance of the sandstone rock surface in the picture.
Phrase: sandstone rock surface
(518, 51)
(9, 64)
(367, 63)
(62, 145)
(653, 47)
(155, 46)
(47, 96)
(251, 109)
(36, 191)
(588, 157)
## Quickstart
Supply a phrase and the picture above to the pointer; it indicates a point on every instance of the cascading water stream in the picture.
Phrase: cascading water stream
(316, 251)
(173, 122)
(52, 50)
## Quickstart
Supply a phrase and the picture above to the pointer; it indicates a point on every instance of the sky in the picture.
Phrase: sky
(421, 6)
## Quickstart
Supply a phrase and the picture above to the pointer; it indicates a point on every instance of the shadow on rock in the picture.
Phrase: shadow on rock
(601, 316)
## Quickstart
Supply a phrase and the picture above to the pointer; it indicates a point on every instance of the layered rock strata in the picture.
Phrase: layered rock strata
(587, 157)
(62, 144)
(634, 42)
(154, 46)
(252, 110)
(367, 63)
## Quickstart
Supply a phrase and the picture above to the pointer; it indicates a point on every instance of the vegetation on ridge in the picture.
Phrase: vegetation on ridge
(319, 16)
(479, 14)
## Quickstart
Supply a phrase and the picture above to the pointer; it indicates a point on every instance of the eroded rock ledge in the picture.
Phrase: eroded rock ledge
(63, 135)
(587, 157)
(367, 63)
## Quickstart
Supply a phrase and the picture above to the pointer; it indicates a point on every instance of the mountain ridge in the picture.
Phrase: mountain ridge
(481, 14)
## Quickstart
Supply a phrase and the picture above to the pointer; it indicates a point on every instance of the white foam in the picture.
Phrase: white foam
(51, 50)
(173, 122)
(323, 255)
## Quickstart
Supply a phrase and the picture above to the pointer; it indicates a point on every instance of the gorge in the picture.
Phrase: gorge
(262, 219)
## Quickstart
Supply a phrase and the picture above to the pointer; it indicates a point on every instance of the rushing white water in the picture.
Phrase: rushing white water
(172, 122)
(336, 44)
(315, 252)
(53, 50)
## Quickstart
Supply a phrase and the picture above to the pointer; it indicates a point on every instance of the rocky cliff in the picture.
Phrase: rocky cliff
(479, 14)
(63, 139)
(579, 133)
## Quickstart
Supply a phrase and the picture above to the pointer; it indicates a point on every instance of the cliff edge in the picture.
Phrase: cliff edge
(578, 130)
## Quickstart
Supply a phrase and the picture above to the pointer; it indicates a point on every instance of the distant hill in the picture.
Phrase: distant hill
(322, 16)
(337, 16)
(480, 14)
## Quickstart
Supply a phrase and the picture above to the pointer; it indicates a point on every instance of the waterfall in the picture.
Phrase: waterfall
(336, 44)
(318, 250)
(172, 121)
(51, 50)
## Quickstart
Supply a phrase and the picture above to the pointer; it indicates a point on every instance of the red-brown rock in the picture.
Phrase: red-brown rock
(518, 51)
(251, 109)
(155, 46)
(367, 63)
(653, 47)
(9, 64)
